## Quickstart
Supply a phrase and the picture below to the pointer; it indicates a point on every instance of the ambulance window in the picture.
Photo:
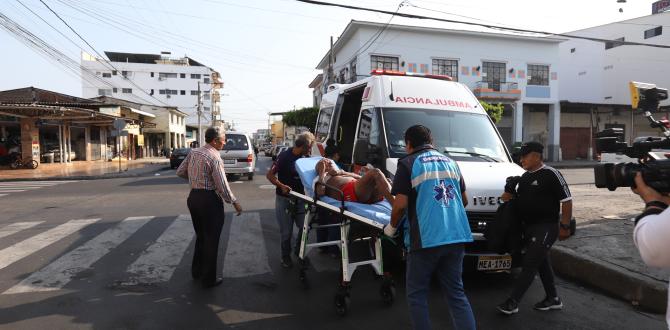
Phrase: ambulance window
(367, 139)
(323, 123)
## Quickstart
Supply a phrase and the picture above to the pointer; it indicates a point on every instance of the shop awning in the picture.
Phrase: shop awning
(143, 113)
(71, 114)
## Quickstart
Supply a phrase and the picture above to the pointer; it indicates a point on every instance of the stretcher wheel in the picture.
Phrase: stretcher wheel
(387, 292)
(342, 303)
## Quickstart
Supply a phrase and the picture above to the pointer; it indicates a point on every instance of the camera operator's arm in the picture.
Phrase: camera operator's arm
(652, 226)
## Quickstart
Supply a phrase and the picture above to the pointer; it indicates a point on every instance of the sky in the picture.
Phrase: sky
(265, 50)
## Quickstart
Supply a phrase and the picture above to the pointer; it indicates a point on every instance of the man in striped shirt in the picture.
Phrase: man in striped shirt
(203, 167)
(545, 207)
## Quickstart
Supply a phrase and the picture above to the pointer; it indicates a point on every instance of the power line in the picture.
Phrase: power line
(101, 57)
(488, 26)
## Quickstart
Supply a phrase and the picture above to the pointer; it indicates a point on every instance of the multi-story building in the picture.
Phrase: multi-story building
(158, 80)
(595, 76)
(517, 71)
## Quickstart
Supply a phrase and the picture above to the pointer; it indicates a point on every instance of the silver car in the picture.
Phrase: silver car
(238, 155)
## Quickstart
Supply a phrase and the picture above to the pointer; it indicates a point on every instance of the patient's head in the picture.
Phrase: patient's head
(328, 164)
(332, 151)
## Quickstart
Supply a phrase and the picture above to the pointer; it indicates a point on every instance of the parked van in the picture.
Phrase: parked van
(368, 119)
(238, 155)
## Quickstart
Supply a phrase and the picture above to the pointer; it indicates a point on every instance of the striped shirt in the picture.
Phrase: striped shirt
(203, 167)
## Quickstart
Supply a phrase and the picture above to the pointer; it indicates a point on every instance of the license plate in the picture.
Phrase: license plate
(229, 161)
(494, 262)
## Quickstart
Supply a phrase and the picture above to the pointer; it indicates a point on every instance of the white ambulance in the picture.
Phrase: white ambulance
(368, 119)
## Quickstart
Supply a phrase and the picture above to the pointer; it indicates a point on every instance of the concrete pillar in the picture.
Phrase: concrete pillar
(68, 141)
(30, 139)
(517, 122)
(87, 142)
(61, 156)
(554, 139)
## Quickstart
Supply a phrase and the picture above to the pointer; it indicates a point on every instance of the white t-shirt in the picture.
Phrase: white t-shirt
(651, 238)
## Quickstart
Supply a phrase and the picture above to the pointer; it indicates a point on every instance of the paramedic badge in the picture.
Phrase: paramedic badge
(444, 193)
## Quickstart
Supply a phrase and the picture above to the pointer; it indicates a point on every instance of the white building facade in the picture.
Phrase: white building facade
(158, 80)
(595, 75)
(518, 71)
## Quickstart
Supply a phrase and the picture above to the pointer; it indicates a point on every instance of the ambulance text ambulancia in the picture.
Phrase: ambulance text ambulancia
(368, 118)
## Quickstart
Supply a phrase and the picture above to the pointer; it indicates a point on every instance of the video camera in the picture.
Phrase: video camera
(655, 169)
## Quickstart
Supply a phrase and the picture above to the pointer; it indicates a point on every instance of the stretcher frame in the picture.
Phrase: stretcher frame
(346, 217)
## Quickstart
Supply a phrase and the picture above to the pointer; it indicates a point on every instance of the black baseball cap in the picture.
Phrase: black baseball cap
(529, 147)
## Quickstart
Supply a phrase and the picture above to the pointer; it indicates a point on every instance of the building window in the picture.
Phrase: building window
(161, 91)
(126, 74)
(342, 78)
(106, 75)
(104, 92)
(538, 75)
(495, 73)
(115, 90)
(152, 75)
(657, 31)
(205, 80)
(182, 75)
(384, 62)
(195, 76)
(114, 72)
(151, 92)
(615, 43)
(205, 95)
(168, 92)
(446, 67)
(353, 75)
(182, 92)
(206, 108)
(165, 75)
(572, 50)
(127, 90)
(194, 93)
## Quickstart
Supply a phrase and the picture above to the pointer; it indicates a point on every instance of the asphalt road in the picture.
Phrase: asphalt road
(115, 254)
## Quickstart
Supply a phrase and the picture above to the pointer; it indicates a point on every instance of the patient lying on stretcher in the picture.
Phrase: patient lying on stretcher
(370, 188)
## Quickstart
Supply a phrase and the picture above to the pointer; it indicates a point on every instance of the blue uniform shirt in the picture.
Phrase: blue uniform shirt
(434, 185)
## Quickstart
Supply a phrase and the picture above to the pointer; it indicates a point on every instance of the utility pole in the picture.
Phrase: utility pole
(199, 119)
(331, 73)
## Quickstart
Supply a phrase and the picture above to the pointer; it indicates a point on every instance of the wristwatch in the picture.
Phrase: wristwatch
(564, 226)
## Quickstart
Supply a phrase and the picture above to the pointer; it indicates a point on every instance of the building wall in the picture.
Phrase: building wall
(592, 74)
(420, 47)
(141, 75)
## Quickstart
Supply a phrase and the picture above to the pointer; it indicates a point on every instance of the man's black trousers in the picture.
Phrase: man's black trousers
(206, 209)
(539, 239)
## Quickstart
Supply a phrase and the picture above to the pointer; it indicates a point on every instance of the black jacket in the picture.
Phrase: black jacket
(505, 234)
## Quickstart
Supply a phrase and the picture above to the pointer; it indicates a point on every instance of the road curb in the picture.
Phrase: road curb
(90, 177)
(636, 288)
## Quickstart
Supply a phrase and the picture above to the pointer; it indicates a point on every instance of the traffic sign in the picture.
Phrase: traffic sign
(119, 124)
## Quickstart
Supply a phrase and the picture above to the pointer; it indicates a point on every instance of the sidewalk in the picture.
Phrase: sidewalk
(85, 170)
(602, 255)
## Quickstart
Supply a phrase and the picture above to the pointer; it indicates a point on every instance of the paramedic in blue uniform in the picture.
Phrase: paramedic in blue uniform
(289, 210)
(430, 190)
(541, 193)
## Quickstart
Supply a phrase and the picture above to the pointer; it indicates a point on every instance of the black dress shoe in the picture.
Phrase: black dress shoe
(216, 282)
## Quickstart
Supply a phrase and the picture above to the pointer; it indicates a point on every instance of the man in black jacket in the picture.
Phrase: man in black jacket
(542, 194)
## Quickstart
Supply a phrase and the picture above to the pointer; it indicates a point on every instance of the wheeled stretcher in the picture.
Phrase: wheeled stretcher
(367, 221)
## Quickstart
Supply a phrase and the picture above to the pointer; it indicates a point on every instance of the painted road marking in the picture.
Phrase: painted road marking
(17, 227)
(11, 191)
(159, 261)
(1, 195)
(33, 244)
(60, 272)
(266, 186)
(246, 254)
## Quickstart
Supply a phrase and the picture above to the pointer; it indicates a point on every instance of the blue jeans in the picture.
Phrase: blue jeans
(447, 261)
(286, 219)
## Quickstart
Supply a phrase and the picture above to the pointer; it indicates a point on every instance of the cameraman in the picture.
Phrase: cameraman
(652, 228)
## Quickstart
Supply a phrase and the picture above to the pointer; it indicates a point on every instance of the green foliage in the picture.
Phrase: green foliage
(494, 111)
(305, 116)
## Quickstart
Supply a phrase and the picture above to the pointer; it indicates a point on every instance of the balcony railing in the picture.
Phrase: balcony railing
(497, 91)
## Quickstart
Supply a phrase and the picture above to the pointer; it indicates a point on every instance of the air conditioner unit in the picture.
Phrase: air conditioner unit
(168, 96)
(162, 78)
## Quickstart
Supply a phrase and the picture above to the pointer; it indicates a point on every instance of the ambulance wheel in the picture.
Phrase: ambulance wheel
(342, 304)
(387, 292)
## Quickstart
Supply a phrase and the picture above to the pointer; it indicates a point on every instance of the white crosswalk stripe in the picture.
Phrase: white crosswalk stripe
(58, 273)
(246, 254)
(33, 244)
(159, 261)
(14, 228)
(21, 186)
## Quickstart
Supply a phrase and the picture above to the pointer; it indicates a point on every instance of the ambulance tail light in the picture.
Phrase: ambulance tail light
(379, 72)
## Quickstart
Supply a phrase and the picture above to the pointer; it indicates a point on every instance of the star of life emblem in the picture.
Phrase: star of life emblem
(444, 193)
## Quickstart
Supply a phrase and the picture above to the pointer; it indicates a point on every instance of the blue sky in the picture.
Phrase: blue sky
(266, 50)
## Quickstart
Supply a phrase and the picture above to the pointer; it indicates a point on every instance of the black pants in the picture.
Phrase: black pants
(539, 239)
(206, 209)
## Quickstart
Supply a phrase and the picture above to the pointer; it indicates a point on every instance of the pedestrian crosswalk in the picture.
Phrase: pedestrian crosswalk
(153, 261)
(7, 188)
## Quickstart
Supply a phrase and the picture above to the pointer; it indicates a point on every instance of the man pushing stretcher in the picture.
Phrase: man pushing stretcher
(370, 188)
